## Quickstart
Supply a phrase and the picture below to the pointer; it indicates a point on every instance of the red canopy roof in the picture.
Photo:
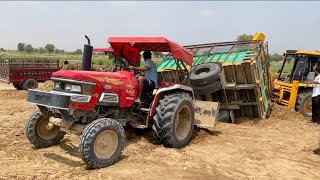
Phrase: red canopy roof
(130, 47)
(102, 49)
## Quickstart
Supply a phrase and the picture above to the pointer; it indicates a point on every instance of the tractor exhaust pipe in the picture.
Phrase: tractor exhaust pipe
(87, 56)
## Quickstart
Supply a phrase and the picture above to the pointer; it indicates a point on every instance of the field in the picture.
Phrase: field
(283, 146)
(96, 59)
(101, 60)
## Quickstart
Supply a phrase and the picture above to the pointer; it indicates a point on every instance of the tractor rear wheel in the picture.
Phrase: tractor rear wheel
(30, 84)
(102, 142)
(304, 103)
(40, 132)
(174, 120)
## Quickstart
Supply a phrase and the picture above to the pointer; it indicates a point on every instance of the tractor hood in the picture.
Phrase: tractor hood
(116, 78)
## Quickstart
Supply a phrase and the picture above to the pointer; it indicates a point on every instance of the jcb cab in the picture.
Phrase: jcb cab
(96, 105)
(290, 86)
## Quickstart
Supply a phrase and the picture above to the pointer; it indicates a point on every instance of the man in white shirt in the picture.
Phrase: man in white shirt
(316, 97)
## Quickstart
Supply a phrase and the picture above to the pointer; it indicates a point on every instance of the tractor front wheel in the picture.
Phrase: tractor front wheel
(102, 143)
(40, 132)
(174, 120)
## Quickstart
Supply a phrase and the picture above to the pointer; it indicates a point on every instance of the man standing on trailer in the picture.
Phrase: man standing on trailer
(316, 98)
(65, 66)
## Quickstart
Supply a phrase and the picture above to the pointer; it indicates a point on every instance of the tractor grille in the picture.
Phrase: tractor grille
(109, 98)
(77, 98)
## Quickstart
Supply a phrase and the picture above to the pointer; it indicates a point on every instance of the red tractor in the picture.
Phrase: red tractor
(96, 105)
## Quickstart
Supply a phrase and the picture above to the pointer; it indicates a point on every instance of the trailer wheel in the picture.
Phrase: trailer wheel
(207, 89)
(102, 143)
(17, 86)
(30, 84)
(304, 103)
(40, 132)
(204, 74)
(224, 116)
(174, 120)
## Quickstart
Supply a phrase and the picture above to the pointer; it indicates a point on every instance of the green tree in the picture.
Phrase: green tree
(2, 50)
(57, 51)
(245, 37)
(62, 51)
(42, 50)
(28, 48)
(50, 48)
(36, 50)
(275, 57)
(21, 47)
(78, 51)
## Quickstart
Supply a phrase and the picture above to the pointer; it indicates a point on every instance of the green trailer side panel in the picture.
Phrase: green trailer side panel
(223, 57)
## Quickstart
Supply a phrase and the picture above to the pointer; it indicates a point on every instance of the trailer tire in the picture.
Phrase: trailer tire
(174, 120)
(207, 89)
(102, 143)
(30, 84)
(224, 116)
(39, 133)
(304, 103)
(204, 74)
(17, 86)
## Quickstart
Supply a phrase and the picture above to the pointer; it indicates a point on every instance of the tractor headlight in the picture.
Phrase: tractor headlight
(73, 88)
(56, 85)
(76, 88)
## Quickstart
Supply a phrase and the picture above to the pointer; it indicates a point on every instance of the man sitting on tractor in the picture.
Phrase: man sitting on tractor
(150, 79)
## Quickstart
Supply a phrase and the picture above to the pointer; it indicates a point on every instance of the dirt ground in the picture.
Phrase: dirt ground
(281, 147)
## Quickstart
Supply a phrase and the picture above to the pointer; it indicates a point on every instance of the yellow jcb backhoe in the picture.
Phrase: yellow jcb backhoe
(290, 85)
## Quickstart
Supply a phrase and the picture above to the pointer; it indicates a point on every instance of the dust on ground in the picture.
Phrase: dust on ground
(281, 147)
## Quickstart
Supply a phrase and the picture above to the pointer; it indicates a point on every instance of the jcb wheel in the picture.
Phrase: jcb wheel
(174, 120)
(304, 103)
(40, 132)
(101, 143)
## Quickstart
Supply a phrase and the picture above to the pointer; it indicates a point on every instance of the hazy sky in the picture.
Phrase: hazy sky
(287, 25)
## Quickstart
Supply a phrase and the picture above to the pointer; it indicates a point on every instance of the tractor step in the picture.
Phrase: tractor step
(144, 109)
(138, 126)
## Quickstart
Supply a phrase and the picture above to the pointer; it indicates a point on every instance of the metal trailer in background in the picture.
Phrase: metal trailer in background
(25, 73)
(245, 77)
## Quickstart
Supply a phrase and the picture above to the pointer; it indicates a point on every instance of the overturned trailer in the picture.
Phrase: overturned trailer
(245, 78)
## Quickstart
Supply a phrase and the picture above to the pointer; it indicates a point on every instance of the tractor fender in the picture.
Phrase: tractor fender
(167, 90)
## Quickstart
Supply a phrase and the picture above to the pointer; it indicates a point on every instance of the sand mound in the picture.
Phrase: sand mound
(46, 86)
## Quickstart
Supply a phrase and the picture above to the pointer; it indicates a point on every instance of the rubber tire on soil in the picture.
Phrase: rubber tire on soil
(32, 134)
(204, 74)
(207, 89)
(301, 98)
(30, 84)
(224, 116)
(89, 136)
(165, 119)
(17, 86)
